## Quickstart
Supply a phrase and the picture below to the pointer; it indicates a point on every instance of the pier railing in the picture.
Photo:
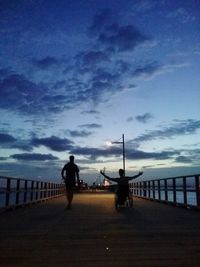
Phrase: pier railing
(19, 192)
(180, 191)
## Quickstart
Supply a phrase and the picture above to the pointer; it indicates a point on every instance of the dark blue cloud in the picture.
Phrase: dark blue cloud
(91, 125)
(33, 157)
(184, 127)
(115, 37)
(18, 84)
(89, 59)
(123, 66)
(5, 72)
(53, 142)
(76, 133)
(144, 118)
(115, 151)
(23, 96)
(3, 158)
(22, 145)
(6, 138)
(183, 159)
(91, 111)
(147, 70)
(95, 73)
(125, 38)
(8, 141)
(154, 68)
(89, 75)
(58, 144)
(45, 63)
(59, 84)
(163, 155)
(94, 153)
(95, 91)
(19, 94)
(99, 21)
(129, 119)
(100, 75)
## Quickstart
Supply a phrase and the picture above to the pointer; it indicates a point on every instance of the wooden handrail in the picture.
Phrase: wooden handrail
(177, 190)
(16, 192)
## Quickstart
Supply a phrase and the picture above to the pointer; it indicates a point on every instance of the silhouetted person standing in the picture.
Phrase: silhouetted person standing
(70, 174)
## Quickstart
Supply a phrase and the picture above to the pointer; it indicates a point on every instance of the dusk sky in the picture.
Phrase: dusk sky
(75, 74)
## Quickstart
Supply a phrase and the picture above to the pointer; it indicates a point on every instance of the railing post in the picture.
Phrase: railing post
(45, 190)
(184, 191)
(174, 190)
(57, 192)
(140, 183)
(54, 190)
(49, 189)
(159, 194)
(144, 189)
(7, 192)
(25, 190)
(149, 189)
(41, 190)
(136, 189)
(166, 191)
(153, 189)
(17, 192)
(58, 189)
(32, 188)
(197, 189)
(37, 189)
(131, 188)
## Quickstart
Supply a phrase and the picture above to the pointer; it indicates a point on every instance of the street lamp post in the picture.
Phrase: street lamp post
(123, 147)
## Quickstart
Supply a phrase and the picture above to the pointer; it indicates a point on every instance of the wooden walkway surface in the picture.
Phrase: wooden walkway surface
(93, 233)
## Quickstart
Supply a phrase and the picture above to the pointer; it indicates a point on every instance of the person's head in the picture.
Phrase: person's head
(121, 172)
(71, 158)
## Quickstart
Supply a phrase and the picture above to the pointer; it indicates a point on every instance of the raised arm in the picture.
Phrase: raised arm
(107, 177)
(135, 176)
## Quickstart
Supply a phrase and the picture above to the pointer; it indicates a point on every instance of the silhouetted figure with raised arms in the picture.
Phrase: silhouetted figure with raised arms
(123, 186)
(70, 175)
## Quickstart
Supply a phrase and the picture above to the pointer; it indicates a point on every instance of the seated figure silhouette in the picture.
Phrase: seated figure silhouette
(123, 186)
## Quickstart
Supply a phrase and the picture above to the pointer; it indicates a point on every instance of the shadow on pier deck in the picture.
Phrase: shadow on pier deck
(93, 233)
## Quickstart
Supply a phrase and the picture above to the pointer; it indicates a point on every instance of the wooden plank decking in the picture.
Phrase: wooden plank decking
(93, 233)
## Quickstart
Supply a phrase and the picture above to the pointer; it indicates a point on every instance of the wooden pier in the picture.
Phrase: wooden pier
(94, 234)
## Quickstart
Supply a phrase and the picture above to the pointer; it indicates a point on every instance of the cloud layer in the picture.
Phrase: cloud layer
(89, 75)
(57, 144)
(185, 127)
